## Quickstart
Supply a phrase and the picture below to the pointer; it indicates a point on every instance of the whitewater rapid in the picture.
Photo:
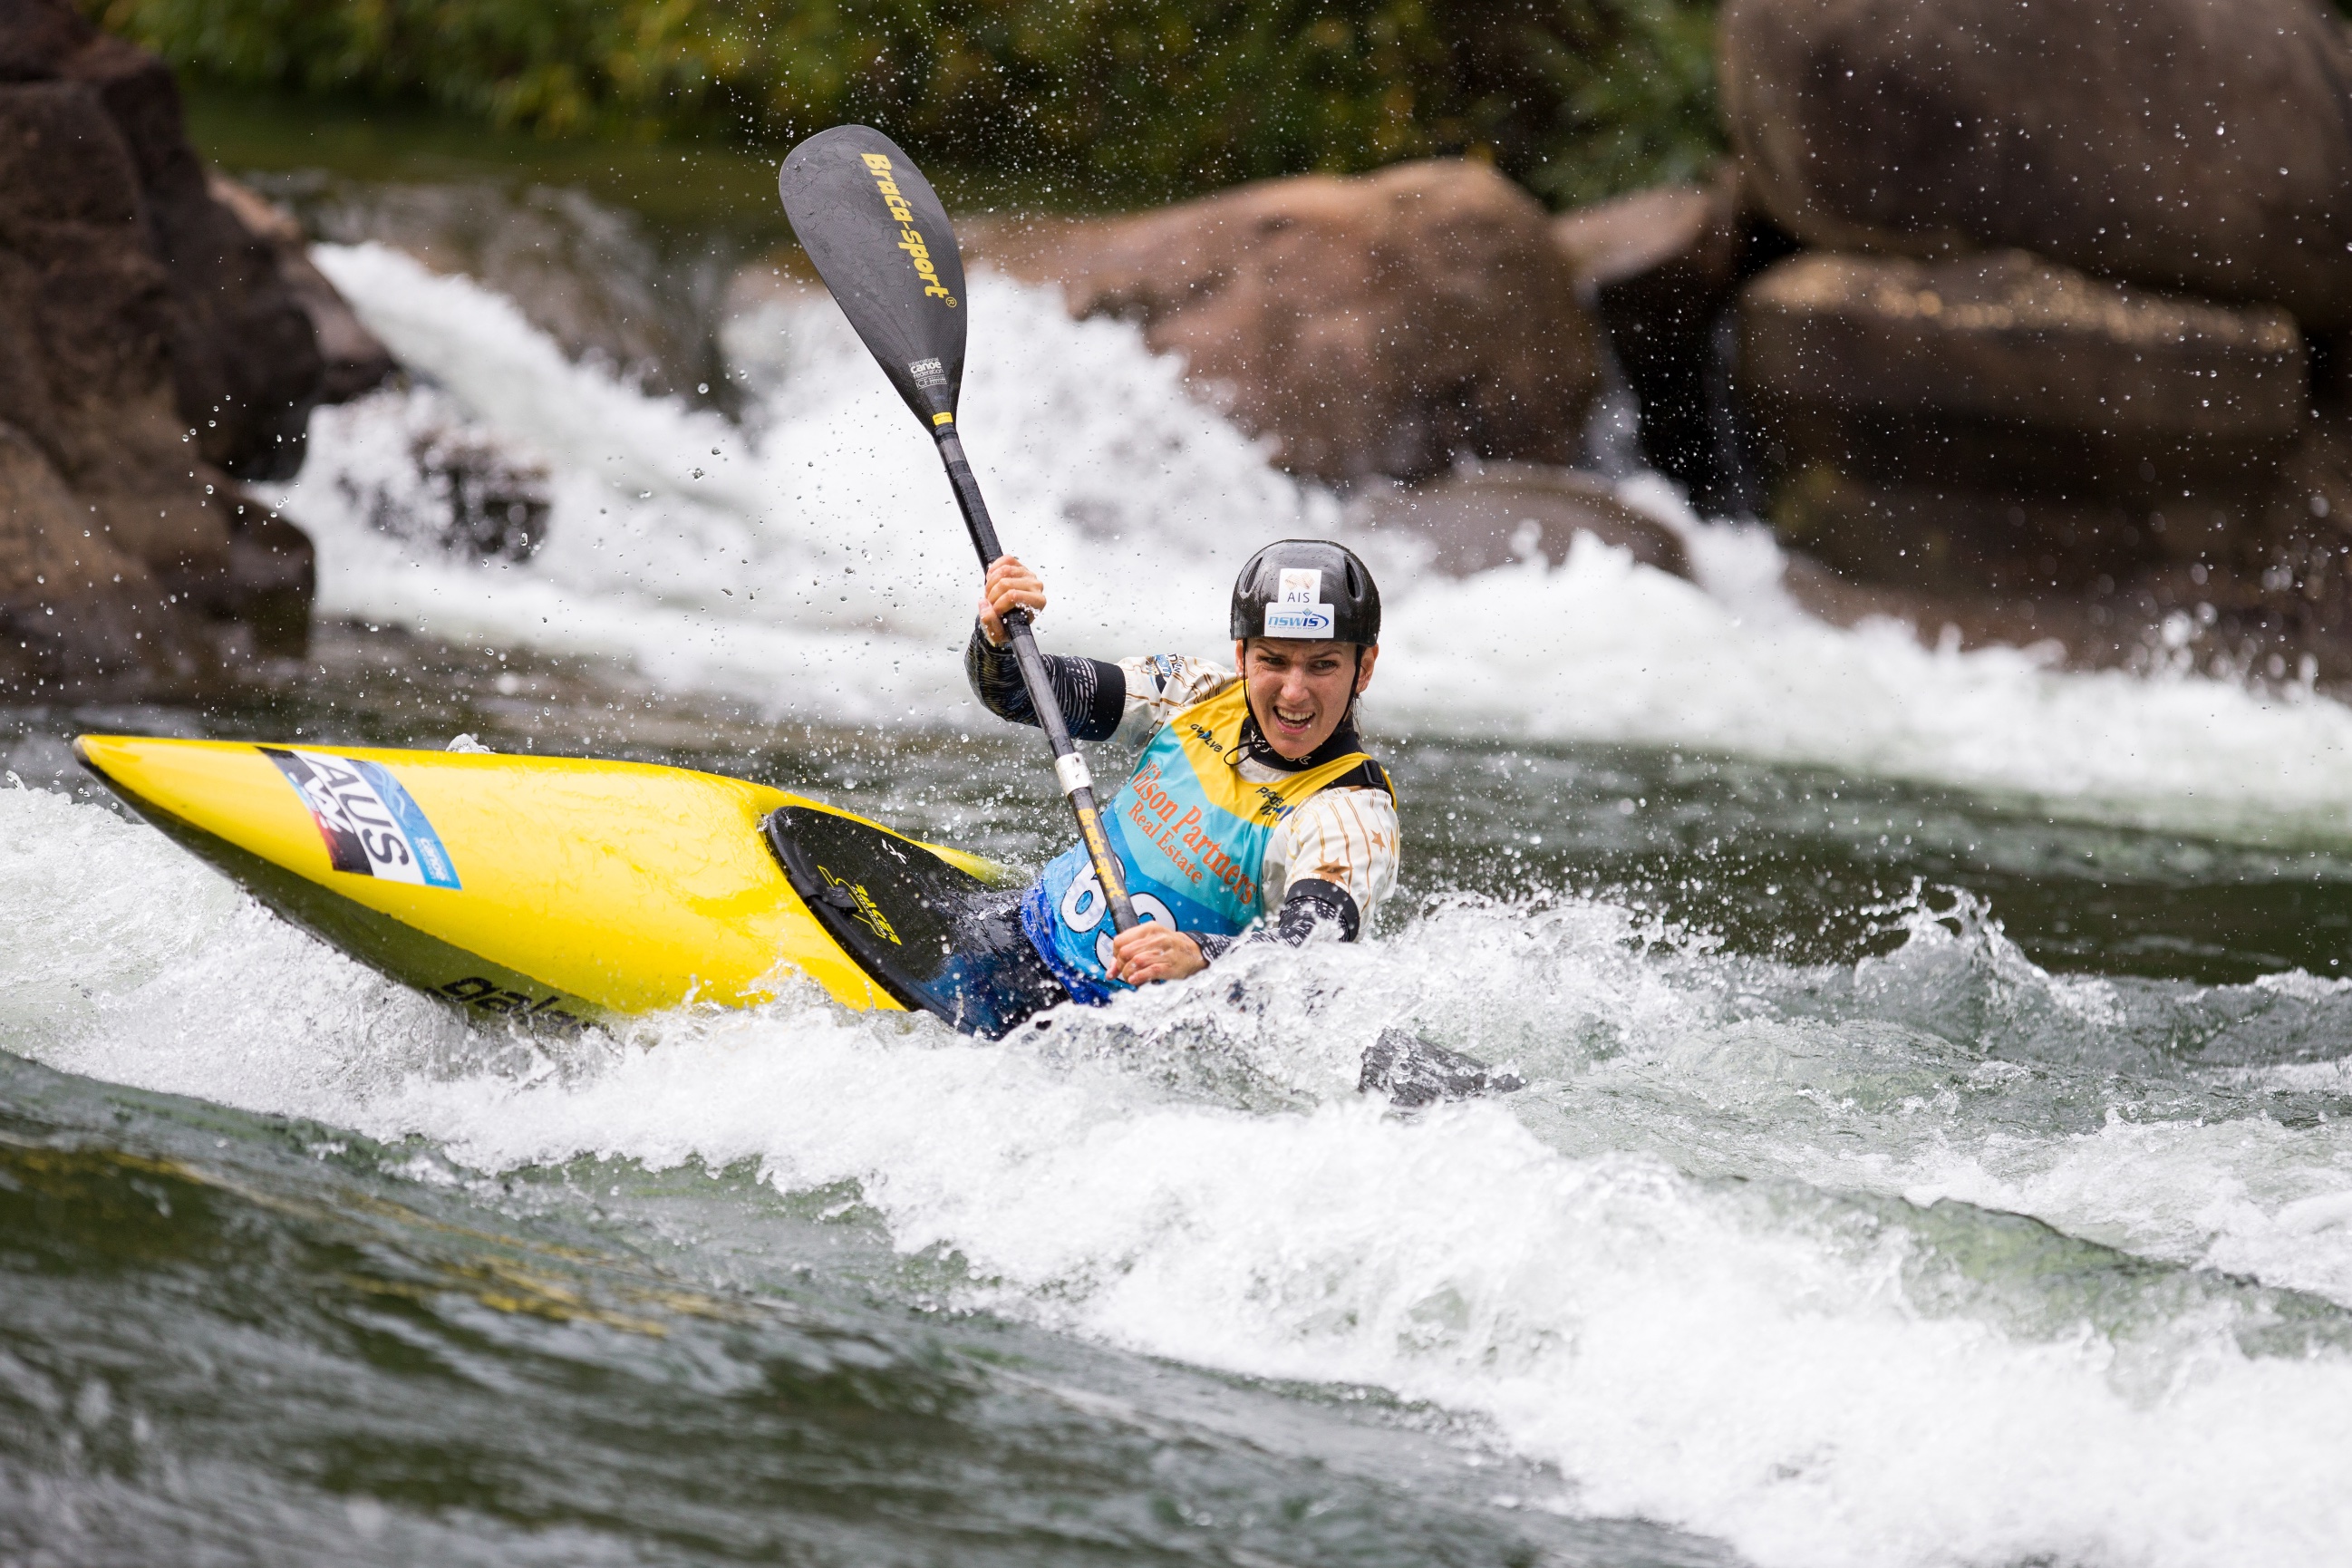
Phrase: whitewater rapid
(1802, 1359)
(1760, 1251)
(811, 562)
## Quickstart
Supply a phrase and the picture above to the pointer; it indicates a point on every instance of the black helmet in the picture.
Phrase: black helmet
(1308, 588)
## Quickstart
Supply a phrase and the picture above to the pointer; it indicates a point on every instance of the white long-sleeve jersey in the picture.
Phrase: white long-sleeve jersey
(1346, 835)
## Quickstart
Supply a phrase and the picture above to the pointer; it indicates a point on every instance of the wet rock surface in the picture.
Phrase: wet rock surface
(1375, 326)
(148, 354)
(1998, 419)
(413, 466)
(1486, 515)
(2029, 323)
(244, 366)
(354, 359)
(2008, 363)
(2251, 583)
(2199, 145)
(2005, 442)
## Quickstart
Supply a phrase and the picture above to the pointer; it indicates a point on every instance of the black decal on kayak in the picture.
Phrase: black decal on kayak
(372, 826)
(544, 1014)
(345, 852)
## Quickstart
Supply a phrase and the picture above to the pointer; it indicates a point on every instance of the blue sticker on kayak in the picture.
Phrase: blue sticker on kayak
(372, 825)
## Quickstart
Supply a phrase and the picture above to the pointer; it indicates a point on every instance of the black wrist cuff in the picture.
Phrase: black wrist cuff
(1312, 902)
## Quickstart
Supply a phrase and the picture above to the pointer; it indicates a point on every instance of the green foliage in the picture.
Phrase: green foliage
(1578, 97)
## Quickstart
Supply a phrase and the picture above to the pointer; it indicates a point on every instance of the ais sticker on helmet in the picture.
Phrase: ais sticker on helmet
(372, 826)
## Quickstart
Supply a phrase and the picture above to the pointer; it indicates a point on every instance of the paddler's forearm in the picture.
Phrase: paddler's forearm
(1093, 694)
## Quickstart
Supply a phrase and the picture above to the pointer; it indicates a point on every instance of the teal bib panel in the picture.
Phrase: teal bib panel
(1190, 833)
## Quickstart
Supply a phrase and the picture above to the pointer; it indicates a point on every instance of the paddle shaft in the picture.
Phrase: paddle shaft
(1068, 767)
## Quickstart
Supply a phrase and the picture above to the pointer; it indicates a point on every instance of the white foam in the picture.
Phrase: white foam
(149, 907)
(1745, 1359)
(1683, 1353)
(1137, 502)
(821, 568)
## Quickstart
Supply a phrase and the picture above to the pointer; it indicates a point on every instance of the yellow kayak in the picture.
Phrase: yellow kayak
(557, 891)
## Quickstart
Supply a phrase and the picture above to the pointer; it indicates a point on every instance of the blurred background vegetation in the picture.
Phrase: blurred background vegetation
(1147, 98)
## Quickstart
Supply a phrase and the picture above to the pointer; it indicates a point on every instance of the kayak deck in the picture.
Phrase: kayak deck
(557, 889)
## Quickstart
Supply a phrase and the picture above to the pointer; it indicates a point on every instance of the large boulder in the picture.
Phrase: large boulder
(245, 363)
(2108, 464)
(1384, 324)
(2264, 588)
(355, 359)
(2005, 370)
(121, 548)
(2200, 145)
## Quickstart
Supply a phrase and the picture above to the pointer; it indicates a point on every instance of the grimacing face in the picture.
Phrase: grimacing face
(1299, 690)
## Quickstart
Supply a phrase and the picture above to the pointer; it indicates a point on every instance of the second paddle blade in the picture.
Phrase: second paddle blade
(881, 242)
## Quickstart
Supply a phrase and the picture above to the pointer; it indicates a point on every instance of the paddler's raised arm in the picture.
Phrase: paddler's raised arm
(1093, 694)
(1097, 698)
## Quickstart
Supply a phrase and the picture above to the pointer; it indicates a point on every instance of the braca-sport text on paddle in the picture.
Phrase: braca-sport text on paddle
(880, 241)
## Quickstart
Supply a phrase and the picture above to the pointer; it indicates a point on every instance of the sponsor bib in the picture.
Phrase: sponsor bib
(1191, 834)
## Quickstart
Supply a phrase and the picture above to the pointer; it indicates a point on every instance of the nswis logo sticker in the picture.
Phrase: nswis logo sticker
(372, 826)
(1299, 613)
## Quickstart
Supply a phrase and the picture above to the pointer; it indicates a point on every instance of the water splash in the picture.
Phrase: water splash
(810, 560)
(1708, 1263)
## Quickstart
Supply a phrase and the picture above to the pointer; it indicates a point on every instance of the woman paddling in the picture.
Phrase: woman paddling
(1252, 808)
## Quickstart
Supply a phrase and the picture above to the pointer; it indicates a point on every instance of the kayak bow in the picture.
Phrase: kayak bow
(552, 889)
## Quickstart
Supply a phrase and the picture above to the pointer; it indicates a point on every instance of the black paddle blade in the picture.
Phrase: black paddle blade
(931, 934)
(881, 242)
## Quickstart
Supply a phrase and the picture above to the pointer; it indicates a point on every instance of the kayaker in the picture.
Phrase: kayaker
(1252, 810)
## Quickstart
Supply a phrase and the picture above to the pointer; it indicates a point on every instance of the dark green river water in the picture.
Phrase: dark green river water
(240, 1335)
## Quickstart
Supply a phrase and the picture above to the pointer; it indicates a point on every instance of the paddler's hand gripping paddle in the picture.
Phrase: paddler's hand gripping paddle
(881, 242)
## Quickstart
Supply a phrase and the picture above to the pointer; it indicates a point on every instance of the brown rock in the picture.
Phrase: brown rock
(69, 599)
(1493, 513)
(2331, 369)
(86, 319)
(1378, 325)
(356, 359)
(2008, 373)
(118, 543)
(1958, 540)
(2204, 145)
(271, 579)
(2255, 583)
(2297, 552)
(1690, 231)
(244, 366)
(2313, 492)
